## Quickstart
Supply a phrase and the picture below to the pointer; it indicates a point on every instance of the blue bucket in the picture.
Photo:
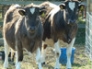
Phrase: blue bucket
(63, 57)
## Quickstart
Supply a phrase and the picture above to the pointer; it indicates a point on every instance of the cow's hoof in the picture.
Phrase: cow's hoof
(6, 68)
(12, 63)
(5, 65)
(57, 68)
(43, 63)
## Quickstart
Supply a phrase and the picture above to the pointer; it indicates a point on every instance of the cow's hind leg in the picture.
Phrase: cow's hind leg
(38, 58)
(6, 49)
(57, 53)
(19, 55)
(12, 55)
(69, 51)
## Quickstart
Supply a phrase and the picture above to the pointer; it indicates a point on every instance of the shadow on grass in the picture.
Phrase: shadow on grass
(49, 66)
(76, 64)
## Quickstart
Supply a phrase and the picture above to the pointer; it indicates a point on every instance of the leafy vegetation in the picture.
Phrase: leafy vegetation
(80, 39)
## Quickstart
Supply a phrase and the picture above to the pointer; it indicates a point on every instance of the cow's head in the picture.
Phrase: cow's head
(32, 20)
(71, 9)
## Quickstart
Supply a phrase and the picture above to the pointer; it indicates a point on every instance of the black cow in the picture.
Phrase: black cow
(60, 28)
(23, 29)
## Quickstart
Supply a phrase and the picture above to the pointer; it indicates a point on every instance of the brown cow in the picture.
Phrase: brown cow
(60, 28)
(22, 28)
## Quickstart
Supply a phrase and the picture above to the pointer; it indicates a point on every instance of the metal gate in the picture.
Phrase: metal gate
(88, 41)
(88, 36)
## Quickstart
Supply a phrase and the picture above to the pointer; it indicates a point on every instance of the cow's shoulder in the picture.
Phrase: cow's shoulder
(54, 10)
(56, 13)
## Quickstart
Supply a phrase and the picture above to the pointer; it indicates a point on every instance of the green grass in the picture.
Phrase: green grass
(81, 20)
(80, 60)
(80, 38)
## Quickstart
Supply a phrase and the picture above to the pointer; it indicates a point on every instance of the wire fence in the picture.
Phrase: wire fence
(32, 0)
(88, 42)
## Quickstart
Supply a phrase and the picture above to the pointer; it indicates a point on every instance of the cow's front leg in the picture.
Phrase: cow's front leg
(43, 52)
(19, 56)
(69, 52)
(57, 53)
(38, 58)
(6, 47)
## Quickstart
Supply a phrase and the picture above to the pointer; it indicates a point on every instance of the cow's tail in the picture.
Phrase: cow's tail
(9, 13)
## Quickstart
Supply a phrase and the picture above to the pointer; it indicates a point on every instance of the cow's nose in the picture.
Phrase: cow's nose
(32, 29)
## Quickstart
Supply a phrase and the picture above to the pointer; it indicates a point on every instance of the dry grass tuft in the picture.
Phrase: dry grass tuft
(80, 60)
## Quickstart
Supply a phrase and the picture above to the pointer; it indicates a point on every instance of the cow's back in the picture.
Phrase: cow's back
(11, 13)
(11, 17)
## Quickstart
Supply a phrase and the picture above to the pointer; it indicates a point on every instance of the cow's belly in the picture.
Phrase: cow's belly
(50, 42)
(62, 43)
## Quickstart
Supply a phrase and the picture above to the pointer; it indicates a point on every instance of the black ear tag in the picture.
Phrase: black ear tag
(43, 14)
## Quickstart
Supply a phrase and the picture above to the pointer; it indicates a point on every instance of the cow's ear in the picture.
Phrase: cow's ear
(62, 6)
(81, 7)
(22, 12)
(42, 11)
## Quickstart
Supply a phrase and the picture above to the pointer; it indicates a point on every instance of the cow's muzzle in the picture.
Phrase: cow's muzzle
(71, 21)
(31, 30)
